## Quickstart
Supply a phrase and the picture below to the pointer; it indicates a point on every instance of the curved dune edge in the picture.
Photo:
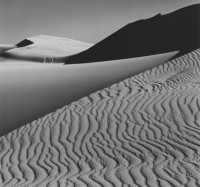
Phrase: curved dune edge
(46, 49)
(28, 92)
(143, 131)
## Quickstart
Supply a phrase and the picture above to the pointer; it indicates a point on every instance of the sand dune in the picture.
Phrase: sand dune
(141, 132)
(30, 90)
(176, 31)
(49, 49)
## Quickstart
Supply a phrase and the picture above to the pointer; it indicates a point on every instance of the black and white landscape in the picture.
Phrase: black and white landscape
(123, 112)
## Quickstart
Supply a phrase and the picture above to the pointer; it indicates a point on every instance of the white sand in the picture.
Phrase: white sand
(30, 91)
(141, 132)
(49, 49)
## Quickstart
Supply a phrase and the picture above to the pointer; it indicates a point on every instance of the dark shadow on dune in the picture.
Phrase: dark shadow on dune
(176, 31)
(24, 43)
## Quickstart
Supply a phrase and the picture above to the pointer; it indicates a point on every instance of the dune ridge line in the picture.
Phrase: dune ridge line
(142, 132)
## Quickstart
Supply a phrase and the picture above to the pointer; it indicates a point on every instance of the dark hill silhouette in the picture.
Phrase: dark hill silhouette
(176, 31)
(24, 43)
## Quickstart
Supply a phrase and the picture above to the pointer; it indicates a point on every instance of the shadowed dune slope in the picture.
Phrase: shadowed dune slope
(141, 132)
(176, 31)
(31, 90)
(44, 48)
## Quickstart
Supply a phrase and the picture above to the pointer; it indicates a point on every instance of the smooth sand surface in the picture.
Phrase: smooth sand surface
(48, 49)
(29, 91)
(141, 132)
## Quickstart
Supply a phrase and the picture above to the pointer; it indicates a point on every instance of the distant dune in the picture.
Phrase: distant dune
(176, 31)
(141, 132)
(31, 90)
(44, 49)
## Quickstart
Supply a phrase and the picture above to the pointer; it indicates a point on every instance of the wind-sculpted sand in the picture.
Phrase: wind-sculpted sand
(143, 131)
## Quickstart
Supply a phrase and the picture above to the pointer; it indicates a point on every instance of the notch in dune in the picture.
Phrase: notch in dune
(6, 47)
(176, 31)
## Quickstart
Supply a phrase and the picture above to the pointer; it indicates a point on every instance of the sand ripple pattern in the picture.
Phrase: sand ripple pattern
(141, 132)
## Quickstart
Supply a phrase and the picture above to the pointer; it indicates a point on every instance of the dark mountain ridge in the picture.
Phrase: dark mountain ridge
(176, 31)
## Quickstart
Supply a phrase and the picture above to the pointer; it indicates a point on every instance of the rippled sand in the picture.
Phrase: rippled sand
(143, 131)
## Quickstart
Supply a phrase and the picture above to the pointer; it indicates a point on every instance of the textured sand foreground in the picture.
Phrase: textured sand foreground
(143, 131)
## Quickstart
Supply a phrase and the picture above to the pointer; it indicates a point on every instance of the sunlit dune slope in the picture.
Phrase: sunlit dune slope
(49, 49)
(176, 31)
(141, 132)
(29, 91)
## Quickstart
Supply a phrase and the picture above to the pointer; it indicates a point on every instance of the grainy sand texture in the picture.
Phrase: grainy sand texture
(141, 132)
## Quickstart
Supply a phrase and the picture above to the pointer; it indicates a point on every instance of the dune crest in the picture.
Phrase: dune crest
(141, 132)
